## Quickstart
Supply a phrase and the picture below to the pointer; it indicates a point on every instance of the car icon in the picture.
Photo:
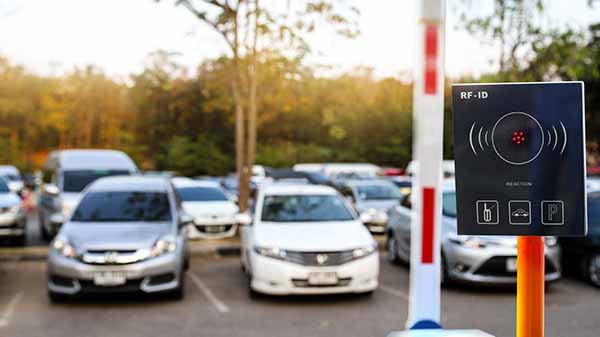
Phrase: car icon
(520, 213)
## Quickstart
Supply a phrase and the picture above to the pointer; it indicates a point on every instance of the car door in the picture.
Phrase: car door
(402, 215)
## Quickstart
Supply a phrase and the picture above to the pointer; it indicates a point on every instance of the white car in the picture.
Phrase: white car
(306, 239)
(207, 203)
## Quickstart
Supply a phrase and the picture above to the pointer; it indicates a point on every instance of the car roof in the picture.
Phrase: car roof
(180, 182)
(295, 189)
(4, 169)
(92, 159)
(368, 182)
(130, 183)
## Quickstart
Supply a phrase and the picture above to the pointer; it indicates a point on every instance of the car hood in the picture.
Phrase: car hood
(209, 208)
(449, 228)
(381, 205)
(9, 200)
(312, 237)
(113, 235)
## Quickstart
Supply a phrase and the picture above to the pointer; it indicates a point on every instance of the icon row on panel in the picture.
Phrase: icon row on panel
(519, 212)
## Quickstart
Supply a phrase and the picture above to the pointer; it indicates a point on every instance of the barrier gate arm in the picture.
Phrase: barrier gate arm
(428, 116)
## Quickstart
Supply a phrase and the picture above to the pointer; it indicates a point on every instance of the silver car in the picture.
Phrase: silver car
(470, 259)
(126, 234)
(371, 199)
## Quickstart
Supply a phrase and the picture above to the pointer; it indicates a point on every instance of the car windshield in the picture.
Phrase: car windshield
(593, 205)
(201, 194)
(3, 186)
(449, 204)
(378, 192)
(77, 180)
(304, 208)
(11, 177)
(123, 206)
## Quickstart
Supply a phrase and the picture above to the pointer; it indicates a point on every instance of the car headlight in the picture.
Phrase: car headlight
(364, 251)
(164, 245)
(550, 241)
(468, 241)
(374, 216)
(272, 252)
(15, 209)
(63, 247)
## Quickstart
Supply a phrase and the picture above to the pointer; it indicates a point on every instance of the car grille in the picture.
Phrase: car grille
(213, 229)
(112, 257)
(319, 258)
(132, 285)
(303, 283)
(496, 266)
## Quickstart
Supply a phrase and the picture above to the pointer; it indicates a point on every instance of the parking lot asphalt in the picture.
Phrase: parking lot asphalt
(217, 304)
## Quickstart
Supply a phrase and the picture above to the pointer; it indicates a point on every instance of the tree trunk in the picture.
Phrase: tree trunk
(252, 83)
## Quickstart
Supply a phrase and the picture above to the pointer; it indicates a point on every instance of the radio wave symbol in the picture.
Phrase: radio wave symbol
(554, 137)
(479, 137)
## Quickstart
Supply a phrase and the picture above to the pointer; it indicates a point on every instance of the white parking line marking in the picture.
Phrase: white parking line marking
(221, 307)
(10, 309)
(395, 292)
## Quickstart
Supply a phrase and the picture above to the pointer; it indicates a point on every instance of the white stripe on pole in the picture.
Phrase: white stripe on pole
(428, 115)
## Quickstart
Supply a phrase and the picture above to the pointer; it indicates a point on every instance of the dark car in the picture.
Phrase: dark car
(584, 252)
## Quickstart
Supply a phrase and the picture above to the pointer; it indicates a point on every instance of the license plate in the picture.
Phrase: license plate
(511, 264)
(215, 229)
(322, 278)
(109, 278)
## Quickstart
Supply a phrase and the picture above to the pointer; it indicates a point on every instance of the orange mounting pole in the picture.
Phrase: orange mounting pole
(530, 286)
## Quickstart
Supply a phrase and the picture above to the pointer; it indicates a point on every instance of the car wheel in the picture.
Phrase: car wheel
(392, 248)
(43, 231)
(444, 279)
(179, 292)
(57, 297)
(19, 241)
(592, 269)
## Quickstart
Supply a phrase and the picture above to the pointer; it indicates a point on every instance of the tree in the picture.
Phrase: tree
(511, 26)
(252, 29)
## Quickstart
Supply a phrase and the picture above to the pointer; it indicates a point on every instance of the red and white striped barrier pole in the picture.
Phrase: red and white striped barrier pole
(428, 105)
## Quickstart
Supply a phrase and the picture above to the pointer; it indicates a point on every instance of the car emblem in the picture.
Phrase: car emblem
(111, 257)
(322, 259)
(214, 217)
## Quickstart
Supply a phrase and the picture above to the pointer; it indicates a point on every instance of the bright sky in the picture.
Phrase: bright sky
(56, 35)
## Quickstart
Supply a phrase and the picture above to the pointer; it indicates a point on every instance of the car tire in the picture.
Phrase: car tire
(591, 270)
(252, 294)
(57, 297)
(43, 230)
(179, 293)
(444, 279)
(19, 241)
(392, 248)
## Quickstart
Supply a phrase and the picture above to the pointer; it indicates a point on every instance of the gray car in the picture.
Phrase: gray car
(66, 173)
(470, 259)
(372, 198)
(12, 215)
(126, 234)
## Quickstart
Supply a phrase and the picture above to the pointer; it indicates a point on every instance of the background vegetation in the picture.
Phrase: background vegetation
(170, 118)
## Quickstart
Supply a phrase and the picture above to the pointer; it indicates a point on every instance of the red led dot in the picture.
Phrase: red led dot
(521, 133)
(518, 142)
(515, 133)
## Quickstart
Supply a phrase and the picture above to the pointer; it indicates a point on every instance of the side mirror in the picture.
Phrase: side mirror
(243, 219)
(51, 189)
(185, 220)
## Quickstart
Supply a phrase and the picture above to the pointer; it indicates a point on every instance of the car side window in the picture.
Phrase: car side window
(47, 175)
(406, 201)
(348, 194)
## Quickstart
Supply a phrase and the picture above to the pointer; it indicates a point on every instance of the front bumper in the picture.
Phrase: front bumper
(489, 265)
(212, 230)
(276, 277)
(72, 277)
(12, 224)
